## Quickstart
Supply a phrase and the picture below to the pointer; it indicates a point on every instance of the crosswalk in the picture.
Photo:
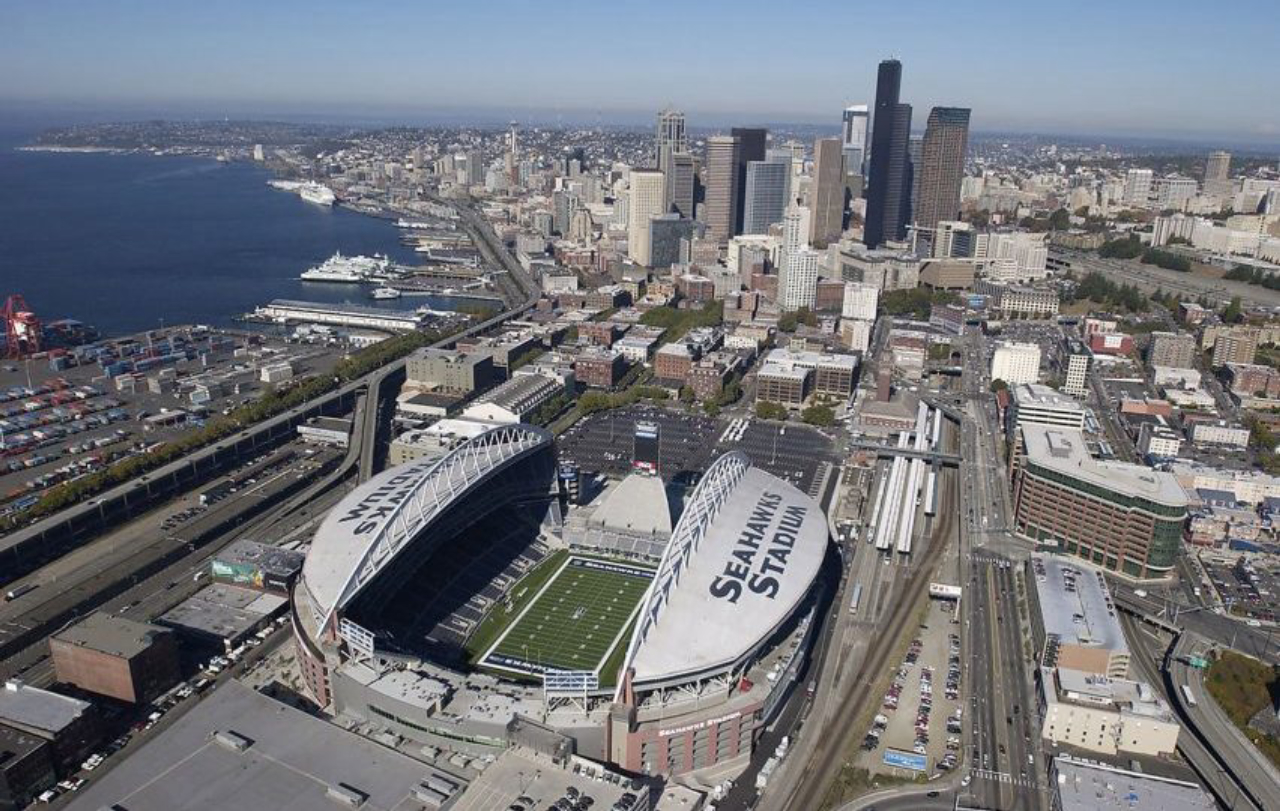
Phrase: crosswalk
(1004, 777)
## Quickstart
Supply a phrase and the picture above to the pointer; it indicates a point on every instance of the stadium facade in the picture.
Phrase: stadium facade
(702, 627)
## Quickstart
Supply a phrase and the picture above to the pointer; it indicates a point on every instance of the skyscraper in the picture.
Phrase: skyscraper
(678, 195)
(798, 274)
(723, 190)
(1217, 173)
(751, 144)
(827, 195)
(669, 137)
(854, 138)
(946, 138)
(764, 195)
(644, 203)
(888, 190)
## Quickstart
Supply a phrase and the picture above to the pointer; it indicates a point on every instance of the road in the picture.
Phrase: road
(1147, 664)
(1150, 278)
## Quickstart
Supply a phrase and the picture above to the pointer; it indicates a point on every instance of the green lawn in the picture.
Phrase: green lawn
(1242, 686)
(574, 622)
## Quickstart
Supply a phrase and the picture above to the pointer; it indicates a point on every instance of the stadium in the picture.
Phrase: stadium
(472, 601)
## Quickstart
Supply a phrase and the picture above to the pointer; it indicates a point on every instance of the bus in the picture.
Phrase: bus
(857, 598)
(1186, 693)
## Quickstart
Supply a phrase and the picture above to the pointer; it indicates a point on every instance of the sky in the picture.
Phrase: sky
(1124, 67)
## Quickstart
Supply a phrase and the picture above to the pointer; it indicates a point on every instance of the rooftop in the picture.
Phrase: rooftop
(239, 749)
(741, 561)
(1041, 396)
(223, 611)
(1099, 787)
(1076, 606)
(32, 708)
(1063, 450)
(109, 633)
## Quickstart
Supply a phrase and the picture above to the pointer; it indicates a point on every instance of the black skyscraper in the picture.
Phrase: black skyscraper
(889, 181)
(751, 142)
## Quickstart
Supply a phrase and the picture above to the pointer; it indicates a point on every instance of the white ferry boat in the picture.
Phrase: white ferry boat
(384, 293)
(316, 193)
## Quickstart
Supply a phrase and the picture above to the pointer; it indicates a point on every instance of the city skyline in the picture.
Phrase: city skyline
(383, 63)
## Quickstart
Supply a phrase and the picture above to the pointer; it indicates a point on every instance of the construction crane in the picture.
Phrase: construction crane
(22, 330)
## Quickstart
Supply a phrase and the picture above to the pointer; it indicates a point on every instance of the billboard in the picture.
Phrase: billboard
(240, 574)
(906, 760)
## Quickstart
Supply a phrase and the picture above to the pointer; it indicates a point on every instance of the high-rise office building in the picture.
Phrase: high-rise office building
(1137, 187)
(853, 138)
(670, 137)
(915, 159)
(946, 138)
(751, 146)
(888, 189)
(827, 193)
(678, 196)
(475, 167)
(645, 202)
(764, 195)
(723, 191)
(1217, 173)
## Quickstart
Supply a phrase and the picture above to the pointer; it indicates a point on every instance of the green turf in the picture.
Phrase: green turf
(521, 594)
(574, 623)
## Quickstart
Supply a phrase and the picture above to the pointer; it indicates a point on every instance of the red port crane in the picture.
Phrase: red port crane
(22, 330)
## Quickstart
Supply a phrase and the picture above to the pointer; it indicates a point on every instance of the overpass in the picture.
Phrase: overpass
(947, 459)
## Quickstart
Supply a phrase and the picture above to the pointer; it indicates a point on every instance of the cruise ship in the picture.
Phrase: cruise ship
(352, 269)
(316, 193)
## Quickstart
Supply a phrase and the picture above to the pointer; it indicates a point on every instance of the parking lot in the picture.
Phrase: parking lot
(602, 443)
(1249, 585)
(68, 416)
(918, 712)
(795, 453)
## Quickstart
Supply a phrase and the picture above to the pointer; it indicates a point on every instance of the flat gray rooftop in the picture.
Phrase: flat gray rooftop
(32, 708)
(109, 633)
(1089, 787)
(220, 610)
(1076, 606)
(289, 765)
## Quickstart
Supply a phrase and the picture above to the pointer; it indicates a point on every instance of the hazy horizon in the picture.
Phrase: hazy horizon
(1134, 70)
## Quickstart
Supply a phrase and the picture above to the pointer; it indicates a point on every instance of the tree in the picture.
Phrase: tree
(1060, 220)
(686, 394)
(819, 414)
(998, 385)
(766, 410)
(1233, 313)
(1124, 248)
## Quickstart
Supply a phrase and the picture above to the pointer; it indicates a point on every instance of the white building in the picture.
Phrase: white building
(855, 333)
(1012, 256)
(860, 301)
(1016, 363)
(646, 199)
(1220, 434)
(798, 274)
(1137, 187)
(1077, 377)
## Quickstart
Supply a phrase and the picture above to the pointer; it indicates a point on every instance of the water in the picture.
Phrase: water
(131, 242)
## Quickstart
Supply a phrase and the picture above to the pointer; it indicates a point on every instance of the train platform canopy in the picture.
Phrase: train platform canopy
(741, 561)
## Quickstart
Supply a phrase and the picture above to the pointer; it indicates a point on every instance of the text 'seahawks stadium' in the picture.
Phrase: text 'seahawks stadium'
(472, 601)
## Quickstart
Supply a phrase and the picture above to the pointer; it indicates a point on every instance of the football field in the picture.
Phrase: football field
(575, 621)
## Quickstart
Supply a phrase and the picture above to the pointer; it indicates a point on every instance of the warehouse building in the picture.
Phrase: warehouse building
(70, 726)
(257, 566)
(116, 657)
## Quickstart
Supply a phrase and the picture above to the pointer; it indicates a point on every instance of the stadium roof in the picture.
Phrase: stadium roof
(367, 529)
(741, 560)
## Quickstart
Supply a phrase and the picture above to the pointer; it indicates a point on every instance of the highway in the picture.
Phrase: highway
(1147, 664)
(1150, 278)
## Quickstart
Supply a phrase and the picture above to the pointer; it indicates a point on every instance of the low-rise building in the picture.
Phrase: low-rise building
(833, 374)
(1016, 363)
(1220, 434)
(515, 401)
(787, 386)
(601, 368)
(673, 361)
(449, 371)
(71, 726)
(116, 657)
